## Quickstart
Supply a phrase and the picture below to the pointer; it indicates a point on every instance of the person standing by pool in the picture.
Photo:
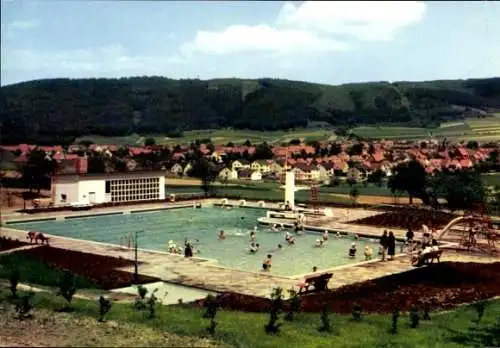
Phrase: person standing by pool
(391, 245)
(383, 245)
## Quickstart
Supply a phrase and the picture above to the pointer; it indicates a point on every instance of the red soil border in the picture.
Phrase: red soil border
(440, 287)
(9, 243)
(411, 218)
(98, 268)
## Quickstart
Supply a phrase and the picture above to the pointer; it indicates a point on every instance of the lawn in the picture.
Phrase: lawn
(239, 329)
(492, 179)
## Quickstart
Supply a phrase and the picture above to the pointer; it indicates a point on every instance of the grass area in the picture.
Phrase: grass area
(35, 272)
(492, 179)
(238, 329)
(482, 129)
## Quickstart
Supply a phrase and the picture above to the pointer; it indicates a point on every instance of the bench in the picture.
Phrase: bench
(319, 283)
(428, 258)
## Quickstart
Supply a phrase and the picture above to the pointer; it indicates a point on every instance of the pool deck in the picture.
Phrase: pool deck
(207, 275)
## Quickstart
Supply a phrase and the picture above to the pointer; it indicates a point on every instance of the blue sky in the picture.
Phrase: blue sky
(327, 42)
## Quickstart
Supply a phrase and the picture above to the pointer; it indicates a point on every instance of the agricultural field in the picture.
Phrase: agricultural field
(483, 129)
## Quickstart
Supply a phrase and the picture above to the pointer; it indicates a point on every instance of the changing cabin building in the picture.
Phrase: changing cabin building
(75, 186)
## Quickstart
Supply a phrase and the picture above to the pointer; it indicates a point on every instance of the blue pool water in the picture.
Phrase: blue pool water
(202, 225)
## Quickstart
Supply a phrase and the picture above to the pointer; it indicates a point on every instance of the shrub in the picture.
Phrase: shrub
(480, 308)
(325, 320)
(104, 307)
(24, 306)
(357, 312)
(67, 289)
(414, 317)
(140, 301)
(273, 327)
(151, 304)
(211, 306)
(395, 317)
(426, 315)
(14, 278)
(294, 305)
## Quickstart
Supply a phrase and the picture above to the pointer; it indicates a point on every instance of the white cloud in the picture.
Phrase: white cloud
(312, 27)
(363, 20)
(108, 59)
(22, 25)
(241, 38)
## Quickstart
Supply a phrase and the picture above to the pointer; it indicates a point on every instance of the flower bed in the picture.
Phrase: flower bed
(9, 243)
(100, 269)
(407, 219)
(440, 286)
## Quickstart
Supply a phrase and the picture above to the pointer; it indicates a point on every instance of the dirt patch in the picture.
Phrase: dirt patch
(407, 219)
(101, 269)
(9, 243)
(50, 329)
(440, 286)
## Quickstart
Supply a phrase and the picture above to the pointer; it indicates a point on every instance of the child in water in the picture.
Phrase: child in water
(254, 247)
(368, 253)
(222, 235)
(253, 237)
(266, 265)
(352, 250)
(325, 236)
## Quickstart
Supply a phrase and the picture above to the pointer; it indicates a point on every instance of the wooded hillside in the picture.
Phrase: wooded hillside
(58, 110)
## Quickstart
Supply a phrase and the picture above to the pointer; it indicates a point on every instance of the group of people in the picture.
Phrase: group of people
(189, 249)
(387, 245)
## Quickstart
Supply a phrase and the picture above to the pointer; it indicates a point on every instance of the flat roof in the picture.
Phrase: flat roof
(113, 174)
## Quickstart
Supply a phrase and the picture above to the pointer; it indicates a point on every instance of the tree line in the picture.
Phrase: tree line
(59, 110)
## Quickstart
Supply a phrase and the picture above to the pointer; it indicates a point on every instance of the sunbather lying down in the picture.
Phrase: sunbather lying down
(426, 255)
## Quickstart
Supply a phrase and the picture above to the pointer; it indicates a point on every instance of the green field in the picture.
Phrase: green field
(483, 129)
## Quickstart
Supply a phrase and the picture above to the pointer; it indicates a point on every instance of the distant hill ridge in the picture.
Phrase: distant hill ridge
(56, 110)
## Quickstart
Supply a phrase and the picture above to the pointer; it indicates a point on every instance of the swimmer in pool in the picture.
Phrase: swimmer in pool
(253, 237)
(319, 243)
(222, 235)
(352, 250)
(254, 247)
(266, 265)
(368, 253)
(325, 236)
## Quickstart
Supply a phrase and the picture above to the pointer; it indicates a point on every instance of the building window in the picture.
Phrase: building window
(134, 189)
(108, 186)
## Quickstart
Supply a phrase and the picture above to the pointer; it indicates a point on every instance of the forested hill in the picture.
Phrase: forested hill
(58, 110)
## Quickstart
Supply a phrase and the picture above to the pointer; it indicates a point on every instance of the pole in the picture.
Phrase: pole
(136, 265)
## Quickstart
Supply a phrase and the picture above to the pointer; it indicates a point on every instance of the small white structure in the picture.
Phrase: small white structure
(290, 189)
(89, 189)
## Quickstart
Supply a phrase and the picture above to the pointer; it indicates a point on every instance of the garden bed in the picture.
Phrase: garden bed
(440, 286)
(411, 218)
(9, 243)
(100, 269)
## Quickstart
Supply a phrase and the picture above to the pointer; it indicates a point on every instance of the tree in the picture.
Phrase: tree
(462, 190)
(205, 171)
(96, 163)
(262, 152)
(376, 177)
(37, 170)
(409, 177)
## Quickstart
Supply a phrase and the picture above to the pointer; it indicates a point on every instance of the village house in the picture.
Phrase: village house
(240, 164)
(248, 174)
(276, 167)
(261, 166)
(228, 174)
(177, 169)
(325, 171)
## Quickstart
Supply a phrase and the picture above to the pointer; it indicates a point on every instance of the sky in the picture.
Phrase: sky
(322, 41)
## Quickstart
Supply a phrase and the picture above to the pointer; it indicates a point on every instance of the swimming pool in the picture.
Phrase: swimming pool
(202, 225)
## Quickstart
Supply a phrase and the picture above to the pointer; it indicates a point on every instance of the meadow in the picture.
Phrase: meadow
(480, 129)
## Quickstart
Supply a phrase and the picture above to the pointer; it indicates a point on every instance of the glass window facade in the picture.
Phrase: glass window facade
(134, 189)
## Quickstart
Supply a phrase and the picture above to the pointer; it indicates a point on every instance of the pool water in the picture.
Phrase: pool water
(202, 226)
